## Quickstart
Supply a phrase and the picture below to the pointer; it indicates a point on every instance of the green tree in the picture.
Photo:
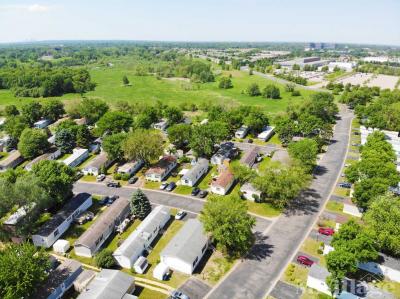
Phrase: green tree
(31, 112)
(229, 224)
(243, 173)
(23, 269)
(83, 136)
(56, 178)
(112, 145)
(65, 140)
(256, 121)
(305, 153)
(253, 90)
(105, 259)
(204, 137)
(174, 115)
(52, 109)
(140, 204)
(271, 92)
(179, 134)
(125, 80)
(11, 111)
(383, 223)
(225, 83)
(114, 122)
(296, 67)
(14, 126)
(32, 143)
(145, 145)
(92, 109)
(286, 129)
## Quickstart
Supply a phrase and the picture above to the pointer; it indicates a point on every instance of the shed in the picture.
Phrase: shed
(61, 246)
(160, 271)
(141, 265)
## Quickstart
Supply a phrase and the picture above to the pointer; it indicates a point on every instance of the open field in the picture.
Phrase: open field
(383, 81)
(149, 89)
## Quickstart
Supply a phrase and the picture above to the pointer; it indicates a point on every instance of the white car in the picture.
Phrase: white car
(100, 177)
(163, 186)
(180, 215)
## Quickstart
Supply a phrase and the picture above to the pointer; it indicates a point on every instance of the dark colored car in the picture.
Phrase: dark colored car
(113, 184)
(133, 180)
(103, 201)
(345, 185)
(203, 193)
(302, 259)
(171, 186)
(327, 231)
(195, 191)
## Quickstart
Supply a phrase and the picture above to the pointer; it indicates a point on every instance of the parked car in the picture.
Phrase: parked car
(163, 186)
(203, 193)
(195, 191)
(302, 259)
(259, 158)
(327, 231)
(180, 215)
(356, 133)
(84, 217)
(103, 201)
(178, 295)
(345, 185)
(249, 140)
(133, 180)
(171, 186)
(100, 177)
(113, 184)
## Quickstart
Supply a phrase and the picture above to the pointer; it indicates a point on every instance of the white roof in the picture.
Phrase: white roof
(76, 154)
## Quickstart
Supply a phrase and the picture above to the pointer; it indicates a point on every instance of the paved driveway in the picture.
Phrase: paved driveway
(256, 276)
(283, 290)
(195, 288)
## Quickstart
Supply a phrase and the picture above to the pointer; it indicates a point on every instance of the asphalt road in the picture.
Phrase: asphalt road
(283, 290)
(255, 277)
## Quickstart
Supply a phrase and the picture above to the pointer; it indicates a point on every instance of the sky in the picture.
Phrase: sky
(341, 21)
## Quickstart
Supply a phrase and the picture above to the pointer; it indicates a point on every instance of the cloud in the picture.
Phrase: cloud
(34, 8)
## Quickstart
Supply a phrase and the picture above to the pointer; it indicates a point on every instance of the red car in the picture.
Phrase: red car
(302, 259)
(327, 231)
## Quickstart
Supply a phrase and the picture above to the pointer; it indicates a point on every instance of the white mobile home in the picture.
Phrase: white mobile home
(91, 240)
(161, 169)
(266, 133)
(140, 240)
(78, 156)
(223, 183)
(195, 173)
(53, 229)
(130, 168)
(317, 279)
(94, 167)
(11, 161)
(249, 192)
(55, 154)
(186, 249)
(42, 124)
(242, 132)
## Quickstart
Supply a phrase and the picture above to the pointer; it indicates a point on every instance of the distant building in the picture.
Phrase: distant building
(242, 132)
(139, 241)
(321, 46)
(193, 175)
(346, 66)
(186, 249)
(110, 284)
(53, 229)
(161, 169)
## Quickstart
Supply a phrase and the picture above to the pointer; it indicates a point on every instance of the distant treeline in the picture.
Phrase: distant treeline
(45, 82)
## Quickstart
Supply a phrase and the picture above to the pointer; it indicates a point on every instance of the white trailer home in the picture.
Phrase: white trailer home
(195, 173)
(53, 229)
(140, 240)
(130, 168)
(186, 249)
(78, 156)
(266, 134)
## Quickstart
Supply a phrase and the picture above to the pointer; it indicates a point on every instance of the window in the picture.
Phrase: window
(204, 248)
(195, 261)
(56, 233)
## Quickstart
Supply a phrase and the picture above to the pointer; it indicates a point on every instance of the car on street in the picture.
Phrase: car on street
(195, 191)
(133, 180)
(171, 186)
(180, 215)
(113, 184)
(304, 260)
(345, 185)
(327, 231)
(100, 177)
(103, 201)
(178, 295)
(163, 186)
(111, 200)
(203, 193)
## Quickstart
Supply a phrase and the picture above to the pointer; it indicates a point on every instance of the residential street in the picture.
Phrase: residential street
(256, 276)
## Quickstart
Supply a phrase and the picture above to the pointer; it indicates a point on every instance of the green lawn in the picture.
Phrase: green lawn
(184, 190)
(296, 275)
(334, 206)
(262, 209)
(311, 247)
(148, 89)
(217, 266)
(204, 184)
(3, 155)
(145, 293)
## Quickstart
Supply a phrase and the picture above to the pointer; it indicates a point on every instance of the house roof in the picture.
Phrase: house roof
(57, 277)
(128, 166)
(186, 244)
(248, 187)
(108, 284)
(199, 166)
(162, 165)
(93, 233)
(76, 154)
(224, 179)
(389, 261)
(318, 272)
(250, 156)
(68, 209)
(14, 155)
(98, 161)
(134, 243)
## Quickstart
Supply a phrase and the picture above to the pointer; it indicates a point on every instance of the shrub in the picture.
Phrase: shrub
(105, 259)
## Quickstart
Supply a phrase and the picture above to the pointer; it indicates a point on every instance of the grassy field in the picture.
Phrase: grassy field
(296, 275)
(149, 89)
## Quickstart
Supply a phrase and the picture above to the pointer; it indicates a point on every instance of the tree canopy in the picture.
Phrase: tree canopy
(140, 204)
(32, 143)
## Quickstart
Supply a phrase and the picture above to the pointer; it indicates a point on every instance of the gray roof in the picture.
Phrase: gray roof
(13, 156)
(250, 156)
(389, 261)
(187, 242)
(111, 214)
(318, 272)
(191, 174)
(57, 277)
(108, 284)
(72, 205)
(98, 161)
(136, 240)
